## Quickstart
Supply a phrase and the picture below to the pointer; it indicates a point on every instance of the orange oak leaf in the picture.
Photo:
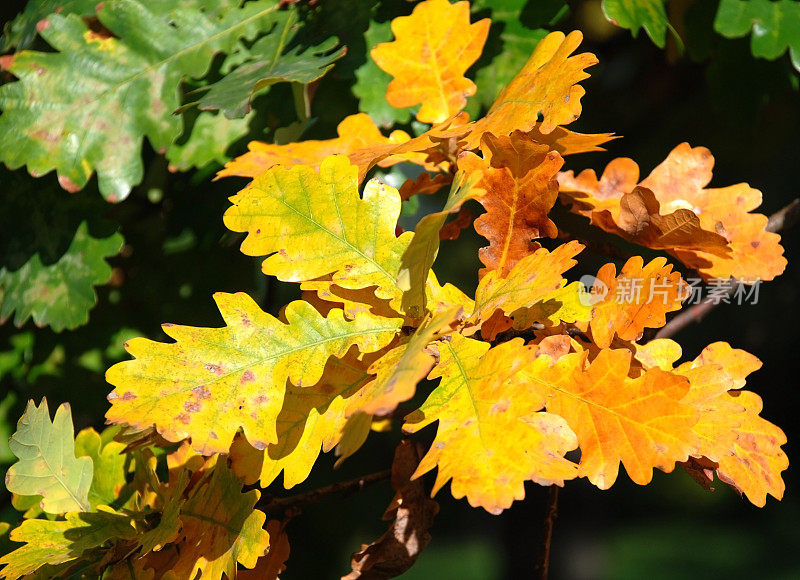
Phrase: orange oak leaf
(640, 422)
(708, 229)
(356, 132)
(213, 381)
(757, 461)
(411, 513)
(273, 562)
(432, 50)
(482, 398)
(566, 142)
(638, 298)
(532, 279)
(521, 189)
(424, 184)
(547, 85)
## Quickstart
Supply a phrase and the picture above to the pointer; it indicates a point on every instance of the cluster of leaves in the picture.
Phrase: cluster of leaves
(538, 379)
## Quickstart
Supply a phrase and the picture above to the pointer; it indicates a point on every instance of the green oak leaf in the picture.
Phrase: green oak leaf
(211, 136)
(271, 61)
(109, 464)
(372, 82)
(61, 294)
(20, 32)
(51, 543)
(46, 464)
(635, 14)
(775, 26)
(88, 106)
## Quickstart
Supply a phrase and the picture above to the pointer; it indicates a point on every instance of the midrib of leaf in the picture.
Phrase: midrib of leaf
(466, 380)
(282, 41)
(618, 416)
(153, 67)
(211, 520)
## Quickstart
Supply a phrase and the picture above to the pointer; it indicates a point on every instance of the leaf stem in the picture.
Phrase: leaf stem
(343, 487)
(781, 220)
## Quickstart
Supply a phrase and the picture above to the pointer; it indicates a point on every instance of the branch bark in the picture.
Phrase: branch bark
(779, 221)
(283, 504)
(543, 567)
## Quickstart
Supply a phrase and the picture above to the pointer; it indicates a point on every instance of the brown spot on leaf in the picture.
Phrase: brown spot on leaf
(216, 369)
(248, 377)
(128, 396)
(201, 392)
(755, 243)
(191, 406)
(183, 418)
(43, 24)
(261, 400)
(260, 445)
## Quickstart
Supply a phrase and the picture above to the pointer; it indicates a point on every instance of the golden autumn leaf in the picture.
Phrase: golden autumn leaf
(757, 461)
(638, 298)
(640, 422)
(432, 50)
(484, 396)
(213, 381)
(521, 189)
(547, 85)
(399, 370)
(312, 419)
(356, 132)
(532, 279)
(219, 528)
(411, 513)
(310, 224)
(708, 229)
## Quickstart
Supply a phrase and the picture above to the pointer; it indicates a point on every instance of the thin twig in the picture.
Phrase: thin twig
(779, 221)
(547, 534)
(283, 504)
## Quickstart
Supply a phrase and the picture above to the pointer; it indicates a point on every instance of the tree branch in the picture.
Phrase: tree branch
(543, 566)
(779, 221)
(283, 504)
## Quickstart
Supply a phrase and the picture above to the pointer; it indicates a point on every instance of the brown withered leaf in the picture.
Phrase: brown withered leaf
(411, 512)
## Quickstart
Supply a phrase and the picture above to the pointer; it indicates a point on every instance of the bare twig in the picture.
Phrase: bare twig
(779, 221)
(283, 504)
(543, 566)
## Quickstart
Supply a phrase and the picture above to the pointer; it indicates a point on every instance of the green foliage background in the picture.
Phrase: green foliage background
(159, 254)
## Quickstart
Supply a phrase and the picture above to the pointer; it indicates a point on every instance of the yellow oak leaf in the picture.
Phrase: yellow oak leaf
(754, 468)
(213, 381)
(660, 353)
(311, 419)
(419, 256)
(356, 132)
(482, 399)
(273, 563)
(531, 280)
(311, 224)
(521, 189)
(399, 370)
(708, 229)
(638, 298)
(220, 528)
(570, 304)
(432, 50)
(640, 422)
(547, 85)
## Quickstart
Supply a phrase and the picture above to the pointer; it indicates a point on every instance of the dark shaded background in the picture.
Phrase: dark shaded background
(745, 110)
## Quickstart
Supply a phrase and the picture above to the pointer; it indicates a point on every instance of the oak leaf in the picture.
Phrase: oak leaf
(311, 224)
(521, 189)
(708, 229)
(48, 542)
(532, 279)
(46, 463)
(640, 422)
(356, 132)
(213, 381)
(638, 298)
(312, 418)
(547, 85)
(273, 563)
(411, 513)
(432, 50)
(483, 396)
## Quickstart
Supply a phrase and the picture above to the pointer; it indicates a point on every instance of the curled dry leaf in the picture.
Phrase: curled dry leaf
(411, 513)
(708, 229)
